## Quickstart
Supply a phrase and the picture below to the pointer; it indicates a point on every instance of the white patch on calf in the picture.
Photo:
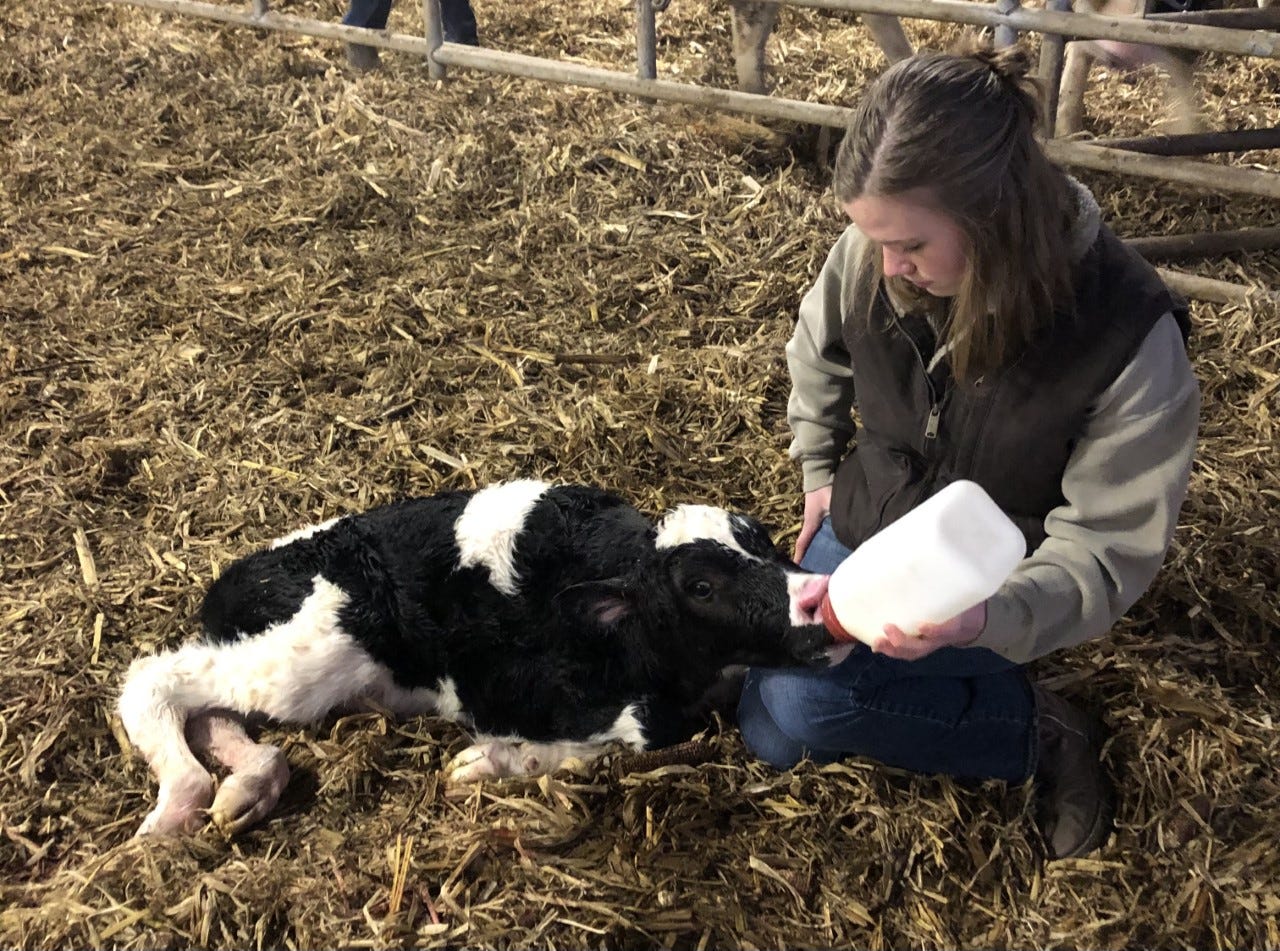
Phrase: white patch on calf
(626, 728)
(492, 757)
(296, 671)
(488, 527)
(447, 702)
(689, 523)
(805, 591)
(306, 532)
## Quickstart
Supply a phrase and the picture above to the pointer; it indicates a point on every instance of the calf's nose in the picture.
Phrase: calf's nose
(810, 598)
(807, 592)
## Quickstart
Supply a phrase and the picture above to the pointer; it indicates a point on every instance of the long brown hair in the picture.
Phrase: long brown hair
(961, 126)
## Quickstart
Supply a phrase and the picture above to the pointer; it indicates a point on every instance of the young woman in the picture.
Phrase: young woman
(987, 326)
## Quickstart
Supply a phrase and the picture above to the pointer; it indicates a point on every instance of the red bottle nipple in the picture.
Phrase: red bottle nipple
(832, 623)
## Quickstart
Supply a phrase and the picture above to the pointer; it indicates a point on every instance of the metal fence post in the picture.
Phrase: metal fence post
(1052, 47)
(1006, 35)
(434, 35)
(646, 41)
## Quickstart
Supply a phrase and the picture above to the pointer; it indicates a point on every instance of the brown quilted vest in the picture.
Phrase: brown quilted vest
(1013, 431)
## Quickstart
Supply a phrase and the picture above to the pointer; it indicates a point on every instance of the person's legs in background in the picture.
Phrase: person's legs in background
(457, 21)
(372, 15)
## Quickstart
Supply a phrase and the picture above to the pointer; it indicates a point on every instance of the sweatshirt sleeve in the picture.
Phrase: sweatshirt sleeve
(1124, 485)
(821, 400)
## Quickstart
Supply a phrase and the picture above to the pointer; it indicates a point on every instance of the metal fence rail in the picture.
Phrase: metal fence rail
(1263, 184)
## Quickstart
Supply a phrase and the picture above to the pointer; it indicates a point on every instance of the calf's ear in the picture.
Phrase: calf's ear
(603, 603)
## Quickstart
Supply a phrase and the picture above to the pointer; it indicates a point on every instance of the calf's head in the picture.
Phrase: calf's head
(715, 592)
(736, 608)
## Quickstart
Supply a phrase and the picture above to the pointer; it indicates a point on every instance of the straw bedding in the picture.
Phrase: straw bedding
(246, 290)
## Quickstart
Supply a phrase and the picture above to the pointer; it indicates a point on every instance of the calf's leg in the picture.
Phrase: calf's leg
(752, 24)
(295, 672)
(494, 757)
(258, 771)
(889, 36)
(155, 727)
(1184, 101)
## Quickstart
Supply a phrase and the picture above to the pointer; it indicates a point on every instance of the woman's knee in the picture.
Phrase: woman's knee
(790, 704)
(804, 706)
(761, 733)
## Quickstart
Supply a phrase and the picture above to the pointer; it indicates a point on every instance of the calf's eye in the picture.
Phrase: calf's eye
(701, 589)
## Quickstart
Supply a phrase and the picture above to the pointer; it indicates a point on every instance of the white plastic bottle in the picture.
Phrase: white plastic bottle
(949, 553)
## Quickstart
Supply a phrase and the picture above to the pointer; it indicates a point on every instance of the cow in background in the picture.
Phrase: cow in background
(1185, 115)
(753, 23)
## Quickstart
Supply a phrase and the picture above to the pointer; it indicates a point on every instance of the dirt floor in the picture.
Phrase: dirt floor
(245, 289)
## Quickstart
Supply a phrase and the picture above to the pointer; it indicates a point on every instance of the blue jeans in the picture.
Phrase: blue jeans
(963, 711)
(458, 20)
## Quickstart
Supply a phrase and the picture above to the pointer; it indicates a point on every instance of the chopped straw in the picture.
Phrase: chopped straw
(246, 290)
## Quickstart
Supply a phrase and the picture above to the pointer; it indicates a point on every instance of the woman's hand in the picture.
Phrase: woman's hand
(961, 630)
(817, 504)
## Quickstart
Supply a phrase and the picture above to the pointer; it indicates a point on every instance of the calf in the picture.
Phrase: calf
(548, 621)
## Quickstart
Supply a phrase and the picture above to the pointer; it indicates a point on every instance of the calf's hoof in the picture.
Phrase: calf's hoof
(475, 763)
(249, 794)
(492, 759)
(181, 808)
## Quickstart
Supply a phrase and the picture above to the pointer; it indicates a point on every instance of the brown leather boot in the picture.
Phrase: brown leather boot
(1075, 797)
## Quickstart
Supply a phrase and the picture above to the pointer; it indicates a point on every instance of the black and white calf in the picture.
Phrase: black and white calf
(549, 621)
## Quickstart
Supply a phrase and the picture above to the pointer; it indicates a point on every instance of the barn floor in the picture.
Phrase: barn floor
(245, 290)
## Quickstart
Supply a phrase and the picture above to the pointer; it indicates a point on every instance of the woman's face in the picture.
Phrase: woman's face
(919, 243)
